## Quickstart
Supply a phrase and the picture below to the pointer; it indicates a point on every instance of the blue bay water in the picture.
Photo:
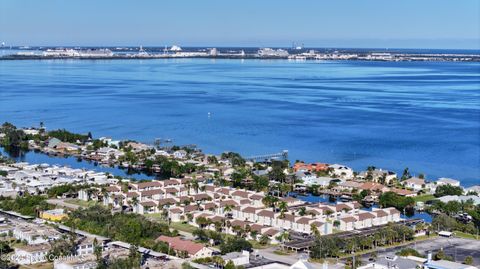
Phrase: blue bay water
(421, 115)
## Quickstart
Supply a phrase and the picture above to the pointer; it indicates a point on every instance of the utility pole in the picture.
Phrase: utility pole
(353, 258)
(353, 261)
(455, 248)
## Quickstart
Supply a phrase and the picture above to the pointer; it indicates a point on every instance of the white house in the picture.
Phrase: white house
(32, 254)
(180, 154)
(377, 174)
(341, 171)
(414, 183)
(238, 258)
(448, 181)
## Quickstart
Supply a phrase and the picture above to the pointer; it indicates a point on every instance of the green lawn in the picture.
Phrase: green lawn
(424, 198)
(183, 227)
(173, 225)
(257, 245)
(155, 216)
(81, 202)
(465, 235)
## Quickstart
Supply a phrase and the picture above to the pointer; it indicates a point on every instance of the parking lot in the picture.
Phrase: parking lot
(458, 248)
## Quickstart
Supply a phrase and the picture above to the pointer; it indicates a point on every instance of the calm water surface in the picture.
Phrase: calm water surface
(425, 116)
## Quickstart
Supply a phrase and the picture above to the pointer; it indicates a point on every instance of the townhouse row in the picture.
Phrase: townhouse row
(187, 199)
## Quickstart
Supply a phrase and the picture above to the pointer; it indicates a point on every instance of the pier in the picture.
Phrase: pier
(269, 157)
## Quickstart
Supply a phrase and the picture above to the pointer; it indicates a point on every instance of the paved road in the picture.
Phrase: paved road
(268, 253)
(458, 248)
(291, 259)
(62, 203)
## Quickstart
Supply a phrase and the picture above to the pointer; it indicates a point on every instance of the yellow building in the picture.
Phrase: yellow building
(53, 215)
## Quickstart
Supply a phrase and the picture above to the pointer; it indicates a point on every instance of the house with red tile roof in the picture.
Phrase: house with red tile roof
(186, 248)
(373, 187)
(310, 167)
(403, 192)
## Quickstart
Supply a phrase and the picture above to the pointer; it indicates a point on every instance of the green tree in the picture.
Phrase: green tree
(229, 265)
(468, 260)
(264, 240)
(235, 244)
(406, 174)
(389, 199)
(277, 174)
(283, 208)
(260, 183)
(448, 189)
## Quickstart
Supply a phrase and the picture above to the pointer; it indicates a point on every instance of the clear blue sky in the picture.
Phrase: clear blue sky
(316, 23)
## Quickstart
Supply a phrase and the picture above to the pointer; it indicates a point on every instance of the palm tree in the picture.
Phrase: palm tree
(248, 229)
(189, 217)
(195, 185)
(97, 250)
(315, 230)
(283, 208)
(253, 234)
(187, 185)
(302, 211)
(134, 203)
(269, 201)
(165, 215)
(90, 192)
(218, 226)
(376, 238)
(202, 222)
(238, 230)
(227, 208)
(285, 236)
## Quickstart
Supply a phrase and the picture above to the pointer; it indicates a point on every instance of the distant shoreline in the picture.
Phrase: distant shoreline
(296, 54)
(459, 58)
